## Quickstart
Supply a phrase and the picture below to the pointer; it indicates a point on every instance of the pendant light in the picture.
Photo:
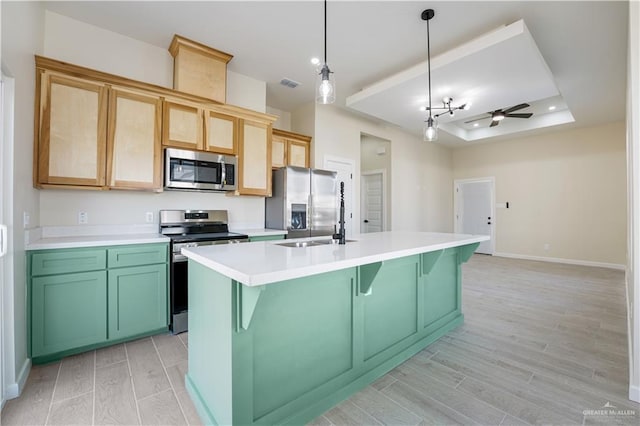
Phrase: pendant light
(431, 124)
(430, 131)
(326, 87)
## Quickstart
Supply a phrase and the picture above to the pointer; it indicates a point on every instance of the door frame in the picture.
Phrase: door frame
(349, 216)
(457, 225)
(382, 172)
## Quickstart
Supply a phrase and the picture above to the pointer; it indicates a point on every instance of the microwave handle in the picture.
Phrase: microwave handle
(223, 176)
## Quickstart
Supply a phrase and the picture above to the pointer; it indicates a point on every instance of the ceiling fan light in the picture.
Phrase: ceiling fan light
(498, 116)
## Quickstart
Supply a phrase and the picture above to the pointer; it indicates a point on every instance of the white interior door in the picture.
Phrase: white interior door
(475, 210)
(344, 167)
(372, 202)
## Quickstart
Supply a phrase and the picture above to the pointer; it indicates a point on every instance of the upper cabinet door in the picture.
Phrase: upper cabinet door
(298, 153)
(254, 159)
(134, 158)
(72, 143)
(290, 149)
(278, 152)
(182, 126)
(220, 133)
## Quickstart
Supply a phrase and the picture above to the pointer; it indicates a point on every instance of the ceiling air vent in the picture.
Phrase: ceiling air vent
(289, 83)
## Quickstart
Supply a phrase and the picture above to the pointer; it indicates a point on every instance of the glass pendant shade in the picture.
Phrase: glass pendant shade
(325, 87)
(430, 130)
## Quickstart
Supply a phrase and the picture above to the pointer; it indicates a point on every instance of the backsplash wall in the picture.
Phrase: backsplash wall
(61, 207)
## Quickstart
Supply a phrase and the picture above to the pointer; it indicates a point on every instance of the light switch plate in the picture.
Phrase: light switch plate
(148, 217)
(26, 219)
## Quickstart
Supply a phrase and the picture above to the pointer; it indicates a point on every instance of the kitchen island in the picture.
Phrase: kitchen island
(280, 334)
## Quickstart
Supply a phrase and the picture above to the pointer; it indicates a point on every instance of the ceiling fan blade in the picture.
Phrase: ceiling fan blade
(476, 119)
(519, 115)
(515, 108)
(494, 123)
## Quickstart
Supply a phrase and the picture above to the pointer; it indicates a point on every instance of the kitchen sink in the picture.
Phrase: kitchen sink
(311, 243)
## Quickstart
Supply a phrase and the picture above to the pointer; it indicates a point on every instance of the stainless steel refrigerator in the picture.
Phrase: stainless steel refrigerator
(304, 202)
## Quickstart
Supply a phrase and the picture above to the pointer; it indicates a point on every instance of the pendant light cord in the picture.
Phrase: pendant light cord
(428, 64)
(325, 31)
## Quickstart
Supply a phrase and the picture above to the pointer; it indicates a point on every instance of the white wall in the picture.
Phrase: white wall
(284, 118)
(421, 173)
(22, 25)
(89, 46)
(566, 189)
(61, 207)
(633, 215)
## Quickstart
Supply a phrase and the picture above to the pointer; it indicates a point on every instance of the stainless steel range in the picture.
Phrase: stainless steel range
(191, 228)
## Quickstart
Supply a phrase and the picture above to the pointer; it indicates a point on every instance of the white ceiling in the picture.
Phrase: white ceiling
(582, 44)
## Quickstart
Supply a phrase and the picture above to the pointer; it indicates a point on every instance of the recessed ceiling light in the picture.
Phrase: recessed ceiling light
(315, 61)
(552, 107)
(476, 124)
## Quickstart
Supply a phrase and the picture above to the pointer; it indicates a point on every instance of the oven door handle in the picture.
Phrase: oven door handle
(178, 258)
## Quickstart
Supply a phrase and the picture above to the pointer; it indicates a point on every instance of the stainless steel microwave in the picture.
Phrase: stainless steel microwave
(191, 170)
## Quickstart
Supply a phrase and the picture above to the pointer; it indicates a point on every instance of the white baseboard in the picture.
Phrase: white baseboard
(15, 389)
(560, 260)
(634, 393)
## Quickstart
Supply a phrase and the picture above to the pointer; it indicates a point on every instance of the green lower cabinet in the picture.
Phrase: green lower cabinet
(137, 300)
(68, 311)
(74, 307)
(442, 289)
(267, 238)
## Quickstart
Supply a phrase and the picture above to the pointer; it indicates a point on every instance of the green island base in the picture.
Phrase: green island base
(286, 352)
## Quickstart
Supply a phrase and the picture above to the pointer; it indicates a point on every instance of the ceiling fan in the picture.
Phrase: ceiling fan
(500, 114)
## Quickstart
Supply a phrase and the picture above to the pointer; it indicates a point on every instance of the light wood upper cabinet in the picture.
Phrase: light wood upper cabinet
(254, 158)
(290, 149)
(278, 151)
(134, 154)
(95, 130)
(72, 132)
(182, 126)
(220, 133)
(298, 153)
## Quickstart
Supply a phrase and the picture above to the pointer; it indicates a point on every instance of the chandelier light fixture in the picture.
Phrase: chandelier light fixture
(326, 87)
(430, 131)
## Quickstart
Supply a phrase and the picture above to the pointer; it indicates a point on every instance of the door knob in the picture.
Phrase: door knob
(366, 221)
(488, 223)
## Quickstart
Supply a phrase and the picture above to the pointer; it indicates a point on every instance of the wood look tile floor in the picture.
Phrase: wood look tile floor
(542, 343)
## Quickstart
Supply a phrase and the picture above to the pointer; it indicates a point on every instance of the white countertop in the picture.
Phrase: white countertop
(265, 262)
(94, 241)
(263, 232)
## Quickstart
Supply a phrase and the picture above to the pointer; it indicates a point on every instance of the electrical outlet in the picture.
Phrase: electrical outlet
(546, 246)
(83, 218)
(25, 219)
(148, 217)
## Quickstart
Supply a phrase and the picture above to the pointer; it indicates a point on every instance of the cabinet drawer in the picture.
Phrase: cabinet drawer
(140, 254)
(66, 261)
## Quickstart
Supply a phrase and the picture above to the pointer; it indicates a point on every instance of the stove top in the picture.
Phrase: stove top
(186, 226)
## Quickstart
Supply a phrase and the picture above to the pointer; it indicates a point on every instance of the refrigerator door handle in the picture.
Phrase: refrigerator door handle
(309, 211)
(3, 240)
